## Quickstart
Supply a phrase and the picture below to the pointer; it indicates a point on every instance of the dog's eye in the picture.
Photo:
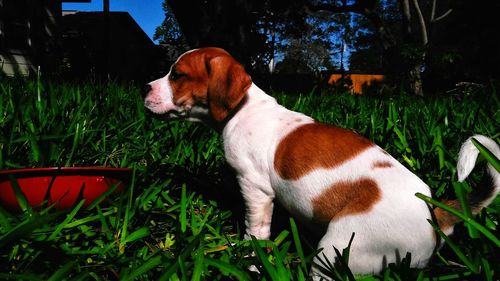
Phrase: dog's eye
(175, 75)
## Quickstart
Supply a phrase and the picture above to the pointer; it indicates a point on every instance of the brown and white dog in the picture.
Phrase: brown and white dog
(322, 174)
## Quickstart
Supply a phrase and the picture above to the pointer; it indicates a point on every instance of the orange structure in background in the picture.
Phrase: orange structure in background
(358, 80)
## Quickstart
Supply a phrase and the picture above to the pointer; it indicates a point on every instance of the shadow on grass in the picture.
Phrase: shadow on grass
(222, 187)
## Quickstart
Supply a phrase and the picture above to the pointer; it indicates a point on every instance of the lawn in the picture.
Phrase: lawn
(181, 217)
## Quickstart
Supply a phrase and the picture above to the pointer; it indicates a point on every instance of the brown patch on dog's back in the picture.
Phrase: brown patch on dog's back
(381, 164)
(316, 145)
(345, 198)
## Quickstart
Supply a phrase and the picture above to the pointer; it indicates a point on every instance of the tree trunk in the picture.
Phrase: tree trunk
(414, 62)
(415, 78)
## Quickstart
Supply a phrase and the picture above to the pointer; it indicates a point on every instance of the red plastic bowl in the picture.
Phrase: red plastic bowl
(63, 186)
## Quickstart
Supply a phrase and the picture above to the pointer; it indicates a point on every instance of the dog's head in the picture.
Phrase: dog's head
(202, 84)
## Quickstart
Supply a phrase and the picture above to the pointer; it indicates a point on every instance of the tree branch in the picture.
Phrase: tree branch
(442, 16)
(433, 13)
(405, 6)
(421, 20)
(433, 10)
(362, 7)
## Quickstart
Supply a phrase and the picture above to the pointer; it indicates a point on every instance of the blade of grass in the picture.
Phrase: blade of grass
(490, 157)
(144, 268)
(5, 218)
(298, 244)
(76, 140)
(68, 218)
(281, 237)
(27, 276)
(138, 234)
(21, 199)
(488, 273)
(182, 266)
(62, 272)
(82, 277)
(227, 267)
(104, 224)
(438, 141)
(269, 270)
(462, 198)
(279, 262)
(167, 274)
(89, 219)
(456, 276)
(26, 227)
(463, 217)
(347, 250)
(176, 265)
(183, 215)
(35, 148)
(326, 267)
(101, 197)
(343, 259)
(463, 257)
(199, 257)
(128, 210)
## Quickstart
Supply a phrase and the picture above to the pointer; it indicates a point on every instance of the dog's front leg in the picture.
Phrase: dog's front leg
(258, 198)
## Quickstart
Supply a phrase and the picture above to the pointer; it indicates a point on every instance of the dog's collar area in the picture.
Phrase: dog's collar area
(220, 125)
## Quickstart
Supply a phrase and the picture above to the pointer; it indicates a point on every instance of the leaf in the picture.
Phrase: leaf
(138, 234)
(488, 155)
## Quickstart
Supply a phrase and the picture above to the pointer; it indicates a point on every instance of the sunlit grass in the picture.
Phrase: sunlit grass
(179, 218)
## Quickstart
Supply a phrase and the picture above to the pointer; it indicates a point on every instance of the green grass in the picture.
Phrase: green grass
(180, 218)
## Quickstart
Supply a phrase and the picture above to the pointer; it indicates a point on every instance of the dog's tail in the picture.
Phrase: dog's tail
(481, 196)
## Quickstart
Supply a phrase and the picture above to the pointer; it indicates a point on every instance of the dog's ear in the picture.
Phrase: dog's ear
(228, 83)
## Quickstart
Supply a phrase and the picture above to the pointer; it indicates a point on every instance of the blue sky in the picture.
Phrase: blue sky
(148, 14)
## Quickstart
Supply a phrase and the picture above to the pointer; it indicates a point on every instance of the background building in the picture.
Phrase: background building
(38, 35)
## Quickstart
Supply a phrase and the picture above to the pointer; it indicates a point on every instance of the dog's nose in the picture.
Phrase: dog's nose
(145, 90)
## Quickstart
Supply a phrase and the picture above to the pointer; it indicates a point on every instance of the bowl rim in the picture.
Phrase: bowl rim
(66, 171)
